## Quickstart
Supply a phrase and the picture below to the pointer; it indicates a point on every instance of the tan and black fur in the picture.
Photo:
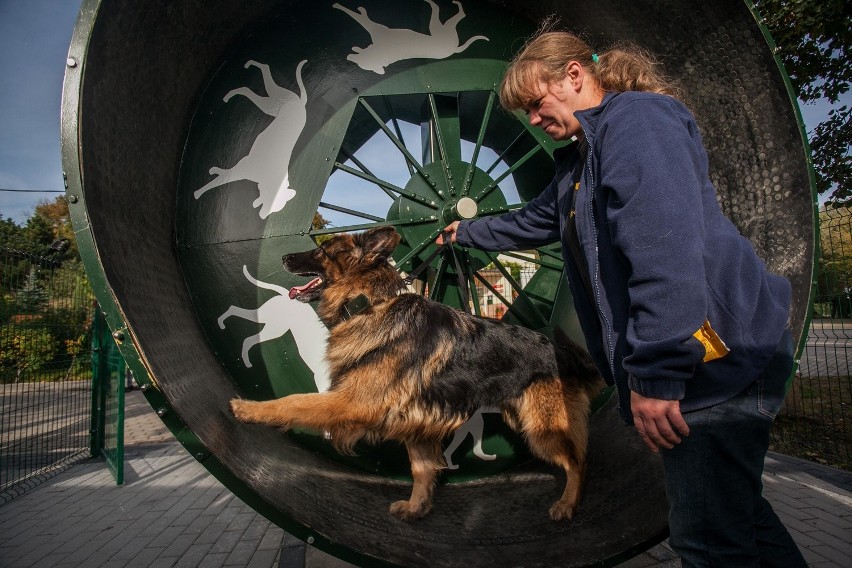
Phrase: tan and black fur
(414, 370)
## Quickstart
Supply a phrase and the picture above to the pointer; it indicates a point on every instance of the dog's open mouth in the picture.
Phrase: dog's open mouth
(307, 292)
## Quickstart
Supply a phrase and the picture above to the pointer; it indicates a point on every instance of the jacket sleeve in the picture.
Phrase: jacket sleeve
(653, 172)
(535, 224)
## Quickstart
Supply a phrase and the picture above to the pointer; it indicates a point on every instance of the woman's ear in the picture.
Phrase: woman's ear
(575, 73)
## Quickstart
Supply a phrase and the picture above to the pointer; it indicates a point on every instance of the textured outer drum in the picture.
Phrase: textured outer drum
(127, 108)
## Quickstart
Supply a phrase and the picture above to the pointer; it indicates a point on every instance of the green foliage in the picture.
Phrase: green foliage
(24, 349)
(813, 39)
(514, 268)
(46, 302)
(830, 147)
(834, 271)
(32, 296)
(11, 235)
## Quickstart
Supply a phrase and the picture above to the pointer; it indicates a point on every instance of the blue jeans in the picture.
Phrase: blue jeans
(718, 515)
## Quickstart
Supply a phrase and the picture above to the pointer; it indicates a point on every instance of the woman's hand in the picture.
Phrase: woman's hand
(451, 228)
(658, 422)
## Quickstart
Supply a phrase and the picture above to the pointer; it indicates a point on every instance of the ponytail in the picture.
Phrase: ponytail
(628, 67)
(545, 58)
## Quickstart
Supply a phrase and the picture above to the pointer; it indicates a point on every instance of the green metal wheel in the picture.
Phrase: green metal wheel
(200, 139)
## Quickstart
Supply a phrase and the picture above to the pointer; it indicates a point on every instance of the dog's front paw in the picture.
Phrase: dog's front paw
(408, 511)
(561, 511)
(242, 410)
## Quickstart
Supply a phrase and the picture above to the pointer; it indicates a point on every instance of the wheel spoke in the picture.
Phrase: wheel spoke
(419, 248)
(514, 167)
(550, 253)
(401, 147)
(506, 151)
(538, 261)
(471, 284)
(365, 226)
(366, 170)
(351, 212)
(505, 302)
(385, 184)
(517, 287)
(397, 130)
(479, 138)
(499, 210)
(439, 276)
(443, 129)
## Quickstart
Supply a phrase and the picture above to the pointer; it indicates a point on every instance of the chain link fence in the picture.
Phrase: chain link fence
(46, 311)
(815, 421)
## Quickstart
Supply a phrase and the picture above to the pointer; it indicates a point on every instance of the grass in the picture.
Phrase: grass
(815, 422)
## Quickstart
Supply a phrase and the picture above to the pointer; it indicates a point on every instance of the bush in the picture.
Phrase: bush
(24, 350)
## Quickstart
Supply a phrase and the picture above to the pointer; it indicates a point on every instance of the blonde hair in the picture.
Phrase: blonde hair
(625, 67)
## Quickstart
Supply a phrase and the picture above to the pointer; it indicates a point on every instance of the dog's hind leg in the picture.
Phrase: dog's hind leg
(426, 462)
(556, 429)
(222, 177)
(235, 311)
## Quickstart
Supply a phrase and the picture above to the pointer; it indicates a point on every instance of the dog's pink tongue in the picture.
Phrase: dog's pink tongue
(296, 290)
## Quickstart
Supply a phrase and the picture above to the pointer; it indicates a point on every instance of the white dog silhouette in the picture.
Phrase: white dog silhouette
(396, 44)
(268, 160)
(475, 426)
(278, 315)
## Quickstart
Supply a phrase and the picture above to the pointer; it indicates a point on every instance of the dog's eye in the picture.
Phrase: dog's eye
(323, 252)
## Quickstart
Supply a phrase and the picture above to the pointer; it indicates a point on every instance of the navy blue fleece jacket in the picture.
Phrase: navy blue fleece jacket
(663, 260)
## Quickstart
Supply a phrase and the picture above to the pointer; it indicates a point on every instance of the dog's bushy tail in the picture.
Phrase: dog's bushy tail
(574, 361)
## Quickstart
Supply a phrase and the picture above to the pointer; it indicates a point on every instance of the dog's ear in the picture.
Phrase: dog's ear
(379, 243)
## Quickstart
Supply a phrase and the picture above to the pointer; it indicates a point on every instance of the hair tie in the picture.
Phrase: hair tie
(595, 58)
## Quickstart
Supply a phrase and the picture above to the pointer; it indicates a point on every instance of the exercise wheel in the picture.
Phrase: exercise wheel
(200, 140)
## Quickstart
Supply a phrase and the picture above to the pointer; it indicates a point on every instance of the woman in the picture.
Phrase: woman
(676, 307)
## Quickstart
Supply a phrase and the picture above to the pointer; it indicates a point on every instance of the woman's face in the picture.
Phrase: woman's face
(553, 111)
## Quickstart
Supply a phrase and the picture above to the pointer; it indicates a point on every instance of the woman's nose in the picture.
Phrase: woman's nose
(534, 118)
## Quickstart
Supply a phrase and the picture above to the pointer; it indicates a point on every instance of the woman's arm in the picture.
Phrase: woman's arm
(534, 225)
(654, 171)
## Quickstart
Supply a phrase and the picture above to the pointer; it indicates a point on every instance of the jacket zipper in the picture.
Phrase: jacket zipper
(596, 265)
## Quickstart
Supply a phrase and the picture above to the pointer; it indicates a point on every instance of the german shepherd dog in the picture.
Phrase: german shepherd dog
(413, 370)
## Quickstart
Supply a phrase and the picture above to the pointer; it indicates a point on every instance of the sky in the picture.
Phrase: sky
(34, 40)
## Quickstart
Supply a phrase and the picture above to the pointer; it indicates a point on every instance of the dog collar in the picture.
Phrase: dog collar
(355, 306)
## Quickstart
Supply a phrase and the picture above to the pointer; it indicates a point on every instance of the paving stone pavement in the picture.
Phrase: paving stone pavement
(170, 513)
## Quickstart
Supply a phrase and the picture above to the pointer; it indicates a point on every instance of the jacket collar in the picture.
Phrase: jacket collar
(591, 117)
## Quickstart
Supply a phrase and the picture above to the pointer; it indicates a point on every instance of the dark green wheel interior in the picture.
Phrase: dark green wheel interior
(452, 150)
(201, 138)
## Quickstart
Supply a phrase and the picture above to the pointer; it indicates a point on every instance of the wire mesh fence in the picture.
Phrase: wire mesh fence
(46, 310)
(815, 421)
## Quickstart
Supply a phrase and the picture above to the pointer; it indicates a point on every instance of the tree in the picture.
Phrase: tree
(11, 235)
(319, 222)
(813, 40)
(834, 274)
(32, 298)
(39, 235)
(55, 214)
(24, 349)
